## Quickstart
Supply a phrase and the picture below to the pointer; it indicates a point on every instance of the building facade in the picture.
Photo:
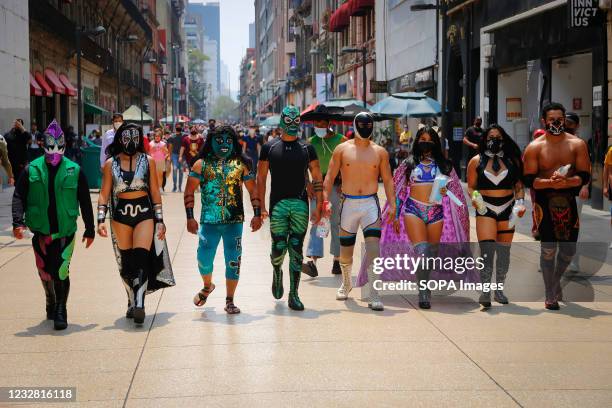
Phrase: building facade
(210, 14)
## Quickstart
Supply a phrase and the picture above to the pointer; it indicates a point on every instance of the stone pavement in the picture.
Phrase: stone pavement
(333, 354)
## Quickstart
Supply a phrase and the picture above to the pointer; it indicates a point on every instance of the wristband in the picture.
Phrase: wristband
(102, 213)
(159, 216)
(257, 211)
(189, 212)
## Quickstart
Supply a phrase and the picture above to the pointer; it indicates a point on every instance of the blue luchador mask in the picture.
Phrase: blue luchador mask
(290, 120)
(223, 145)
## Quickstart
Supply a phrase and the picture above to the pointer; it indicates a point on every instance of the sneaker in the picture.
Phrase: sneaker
(342, 293)
(310, 269)
(551, 305)
(336, 268)
(376, 305)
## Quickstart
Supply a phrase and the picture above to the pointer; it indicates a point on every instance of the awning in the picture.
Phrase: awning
(54, 81)
(361, 7)
(340, 19)
(43, 84)
(70, 89)
(93, 109)
(35, 89)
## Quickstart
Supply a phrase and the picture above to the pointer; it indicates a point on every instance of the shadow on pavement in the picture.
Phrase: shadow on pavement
(323, 281)
(45, 328)
(210, 315)
(355, 307)
(128, 325)
(581, 312)
(282, 309)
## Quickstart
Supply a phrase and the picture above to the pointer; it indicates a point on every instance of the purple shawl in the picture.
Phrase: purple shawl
(456, 230)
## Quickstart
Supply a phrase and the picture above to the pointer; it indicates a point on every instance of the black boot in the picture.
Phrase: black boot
(50, 298)
(141, 263)
(277, 283)
(294, 282)
(126, 278)
(60, 318)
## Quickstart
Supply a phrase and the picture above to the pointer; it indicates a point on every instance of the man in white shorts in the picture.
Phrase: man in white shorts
(361, 162)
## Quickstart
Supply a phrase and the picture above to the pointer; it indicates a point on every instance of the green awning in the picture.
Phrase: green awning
(94, 109)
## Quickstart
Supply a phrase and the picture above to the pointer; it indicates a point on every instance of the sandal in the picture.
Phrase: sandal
(200, 298)
(230, 307)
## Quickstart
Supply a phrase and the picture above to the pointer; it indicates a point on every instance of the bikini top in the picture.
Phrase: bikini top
(504, 180)
(127, 181)
(424, 173)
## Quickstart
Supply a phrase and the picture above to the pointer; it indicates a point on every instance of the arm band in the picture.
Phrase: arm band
(585, 176)
(102, 213)
(529, 179)
(159, 216)
(189, 213)
(398, 207)
(317, 186)
(257, 211)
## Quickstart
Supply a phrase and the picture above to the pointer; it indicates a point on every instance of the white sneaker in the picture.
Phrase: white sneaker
(342, 293)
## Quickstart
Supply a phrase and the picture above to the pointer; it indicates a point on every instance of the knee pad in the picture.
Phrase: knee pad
(348, 241)
(421, 248)
(371, 233)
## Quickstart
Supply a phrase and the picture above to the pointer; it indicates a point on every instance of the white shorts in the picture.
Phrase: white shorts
(356, 211)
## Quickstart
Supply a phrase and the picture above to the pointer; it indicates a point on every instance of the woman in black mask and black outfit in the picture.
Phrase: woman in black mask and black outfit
(136, 218)
(495, 173)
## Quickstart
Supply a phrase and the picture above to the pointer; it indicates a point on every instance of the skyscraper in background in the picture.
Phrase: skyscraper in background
(211, 18)
(252, 35)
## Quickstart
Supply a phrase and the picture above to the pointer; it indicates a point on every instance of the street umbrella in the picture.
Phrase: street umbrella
(133, 114)
(347, 102)
(411, 104)
(198, 122)
(177, 118)
(272, 121)
(322, 112)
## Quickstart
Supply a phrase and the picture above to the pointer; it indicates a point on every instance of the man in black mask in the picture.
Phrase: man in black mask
(556, 166)
(361, 162)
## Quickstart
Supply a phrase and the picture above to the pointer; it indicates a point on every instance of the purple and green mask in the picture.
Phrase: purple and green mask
(55, 144)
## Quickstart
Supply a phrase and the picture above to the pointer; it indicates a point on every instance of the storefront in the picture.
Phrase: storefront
(536, 56)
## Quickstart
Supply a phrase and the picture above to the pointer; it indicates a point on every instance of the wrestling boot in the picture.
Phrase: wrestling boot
(277, 283)
(502, 264)
(487, 252)
(336, 268)
(60, 317)
(375, 302)
(141, 259)
(293, 299)
(424, 294)
(50, 298)
(347, 284)
(126, 270)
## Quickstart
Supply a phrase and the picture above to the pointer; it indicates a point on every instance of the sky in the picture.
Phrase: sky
(236, 15)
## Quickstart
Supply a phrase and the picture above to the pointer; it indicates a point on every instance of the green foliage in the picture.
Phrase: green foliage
(225, 108)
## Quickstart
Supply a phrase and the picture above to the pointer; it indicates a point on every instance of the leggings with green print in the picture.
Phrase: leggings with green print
(288, 225)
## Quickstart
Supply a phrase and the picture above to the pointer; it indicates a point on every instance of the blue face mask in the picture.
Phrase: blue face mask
(223, 146)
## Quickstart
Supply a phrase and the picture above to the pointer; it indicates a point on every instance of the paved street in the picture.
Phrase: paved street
(333, 354)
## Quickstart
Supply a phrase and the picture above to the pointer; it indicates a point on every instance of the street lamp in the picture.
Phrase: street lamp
(146, 59)
(121, 40)
(99, 30)
(364, 55)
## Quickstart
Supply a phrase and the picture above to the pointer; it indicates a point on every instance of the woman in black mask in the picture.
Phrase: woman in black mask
(494, 183)
(136, 218)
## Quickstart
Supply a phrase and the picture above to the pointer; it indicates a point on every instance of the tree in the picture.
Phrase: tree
(225, 108)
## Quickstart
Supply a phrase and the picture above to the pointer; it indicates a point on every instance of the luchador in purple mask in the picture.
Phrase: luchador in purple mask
(55, 144)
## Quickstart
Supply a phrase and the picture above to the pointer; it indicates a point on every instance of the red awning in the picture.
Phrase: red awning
(70, 89)
(361, 7)
(54, 81)
(35, 89)
(340, 19)
(43, 84)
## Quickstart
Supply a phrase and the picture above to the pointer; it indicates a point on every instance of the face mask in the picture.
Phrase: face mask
(321, 132)
(495, 145)
(54, 144)
(426, 147)
(130, 139)
(117, 125)
(223, 146)
(364, 125)
(290, 120)
(555, 128)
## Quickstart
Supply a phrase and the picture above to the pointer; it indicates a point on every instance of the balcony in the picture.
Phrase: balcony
(137, 16)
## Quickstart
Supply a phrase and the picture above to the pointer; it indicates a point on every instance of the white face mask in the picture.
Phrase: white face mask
(321, 132)
(117, 125)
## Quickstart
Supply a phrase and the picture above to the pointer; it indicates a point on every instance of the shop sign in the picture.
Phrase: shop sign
(514, 109)
(597, 95)
(582, 13)
(378, 86)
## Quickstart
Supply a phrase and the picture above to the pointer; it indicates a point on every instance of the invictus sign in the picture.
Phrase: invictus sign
(582, 13)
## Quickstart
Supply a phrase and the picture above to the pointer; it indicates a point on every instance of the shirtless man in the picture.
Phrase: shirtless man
(555, 211)
(360, 163)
